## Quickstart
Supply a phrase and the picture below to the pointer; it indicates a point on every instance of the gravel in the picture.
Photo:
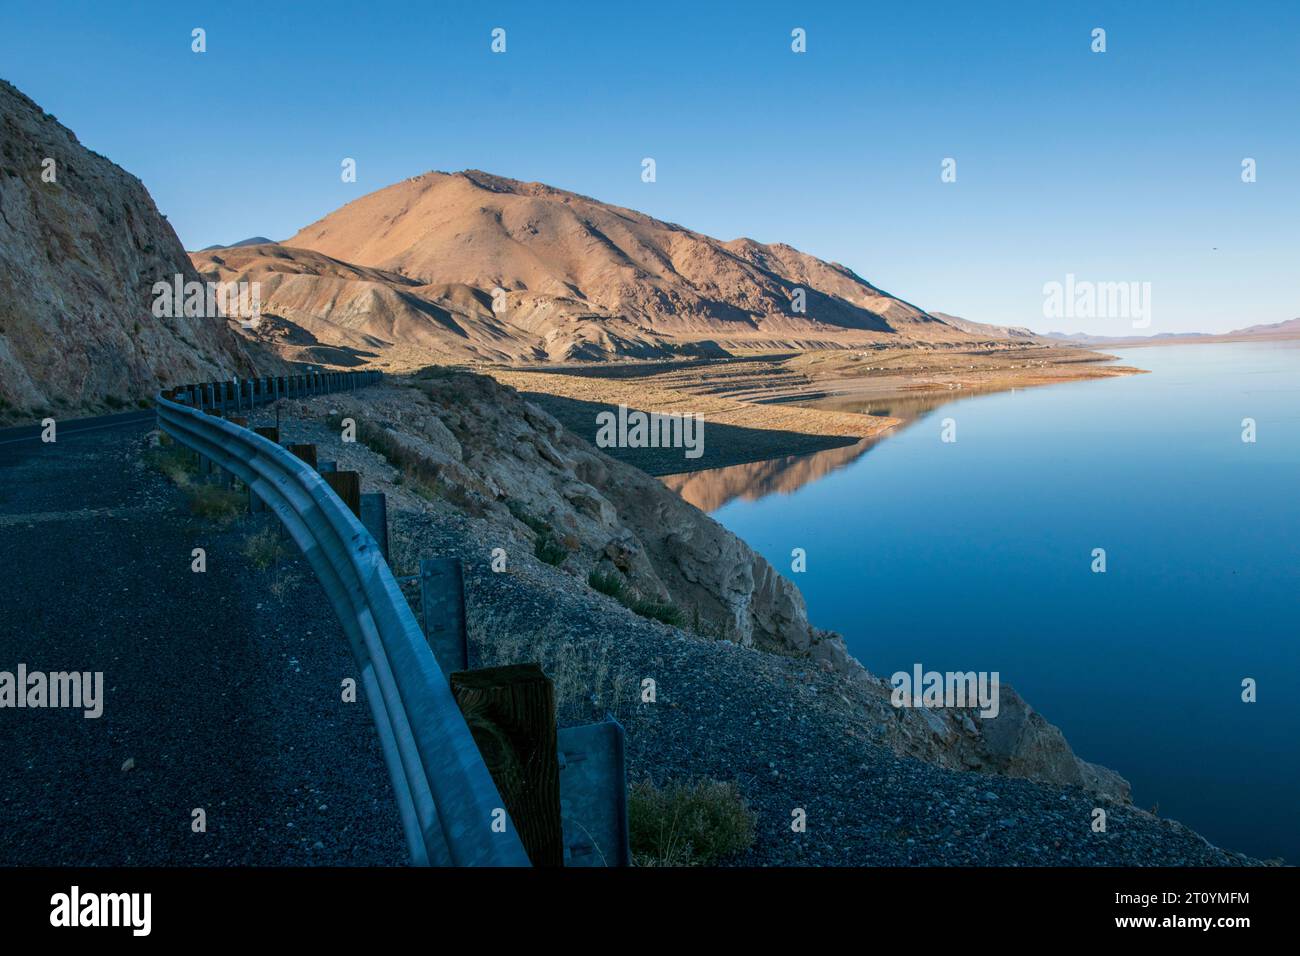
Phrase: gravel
(219, 695)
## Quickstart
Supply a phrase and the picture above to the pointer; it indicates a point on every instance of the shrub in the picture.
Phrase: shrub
(607, 583)
(174, 461)
(546, 546)
(613, 584)
(663, 611)
(688, 823)
(215, 502)
(547, 549)
(264, 548)
(523, 515)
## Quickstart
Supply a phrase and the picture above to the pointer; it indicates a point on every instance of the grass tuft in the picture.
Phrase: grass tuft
(215, 502)
(546, 546)
(177, 463)
(693, 823)
(264, 549)
(613, 584)
(608, 582)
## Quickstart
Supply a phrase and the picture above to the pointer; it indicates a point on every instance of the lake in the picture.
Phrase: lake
(977, 554)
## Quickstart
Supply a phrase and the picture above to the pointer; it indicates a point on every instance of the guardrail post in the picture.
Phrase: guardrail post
(593, 794)
(347, 485)
(442, 600)
(374, 515)
(306, 452)
(511, 713)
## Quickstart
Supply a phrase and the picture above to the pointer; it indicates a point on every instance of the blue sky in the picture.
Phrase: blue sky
(1119, 166)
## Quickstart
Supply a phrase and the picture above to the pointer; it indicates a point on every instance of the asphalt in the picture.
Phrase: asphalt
(221, 692)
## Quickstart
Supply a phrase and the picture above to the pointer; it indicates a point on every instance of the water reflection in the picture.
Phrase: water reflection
(712, 488)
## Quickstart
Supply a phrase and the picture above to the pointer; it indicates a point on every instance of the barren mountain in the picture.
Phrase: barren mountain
(81, 246)
(478, 266)
(252, 241)
(985, 330)
(324, 310)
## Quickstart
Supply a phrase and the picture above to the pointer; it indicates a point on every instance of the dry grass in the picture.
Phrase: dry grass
(283, 581)
(206, 499)
(586, 682)
(618, 588)
(177, 464)
(264, 548)
(694, 823)
(216, 502)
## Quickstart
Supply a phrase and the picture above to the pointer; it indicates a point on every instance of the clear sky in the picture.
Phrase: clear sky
(1115, 166)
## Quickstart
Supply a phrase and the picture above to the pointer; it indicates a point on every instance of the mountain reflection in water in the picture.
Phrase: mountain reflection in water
(712, 488)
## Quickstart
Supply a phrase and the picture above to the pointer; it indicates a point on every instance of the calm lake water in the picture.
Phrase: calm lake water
(977, 555)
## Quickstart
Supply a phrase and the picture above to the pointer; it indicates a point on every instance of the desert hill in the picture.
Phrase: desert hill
(985, 330)
(474, 266)
(78, 260)
(251, 241)
(320, 309)
(553, 247)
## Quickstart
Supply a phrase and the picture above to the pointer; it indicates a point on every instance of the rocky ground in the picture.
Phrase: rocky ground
(222, 688)
(797, 727)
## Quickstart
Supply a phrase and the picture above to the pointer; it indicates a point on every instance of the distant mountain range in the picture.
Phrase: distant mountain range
(1288, 329)
(254, 241)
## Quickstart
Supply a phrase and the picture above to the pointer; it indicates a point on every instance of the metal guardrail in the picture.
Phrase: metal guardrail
(445, 795)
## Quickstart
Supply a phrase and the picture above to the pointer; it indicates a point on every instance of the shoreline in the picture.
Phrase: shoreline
(765, 407)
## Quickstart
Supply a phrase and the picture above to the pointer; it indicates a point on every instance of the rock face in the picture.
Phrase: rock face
(78, 259)
(484, 448)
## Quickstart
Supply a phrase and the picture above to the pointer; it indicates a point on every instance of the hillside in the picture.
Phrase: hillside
(488, 268)
(79, 256)
(324, 310)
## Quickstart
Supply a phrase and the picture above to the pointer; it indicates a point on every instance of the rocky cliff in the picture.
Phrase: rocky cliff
(81, 246)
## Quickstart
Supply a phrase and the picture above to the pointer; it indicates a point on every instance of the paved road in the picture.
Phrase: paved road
(220, 694)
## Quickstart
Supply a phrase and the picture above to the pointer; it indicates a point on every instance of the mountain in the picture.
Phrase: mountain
(319, 309)
(79, 256)
(985, 330)
(1289, 329)
(477, 266)
(254, 241)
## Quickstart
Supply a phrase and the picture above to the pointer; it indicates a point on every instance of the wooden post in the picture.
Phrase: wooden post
(511, 713)
(347, 485)
(306, 452)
